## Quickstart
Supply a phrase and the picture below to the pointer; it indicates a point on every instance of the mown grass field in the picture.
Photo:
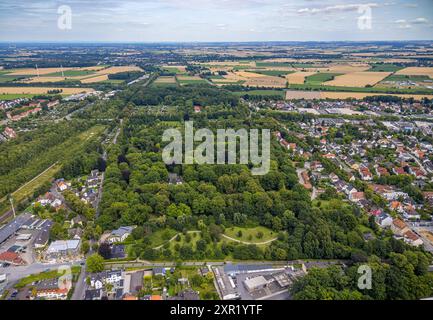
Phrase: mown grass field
(251, 235)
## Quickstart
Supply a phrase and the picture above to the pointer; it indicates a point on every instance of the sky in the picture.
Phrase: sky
(214, 20)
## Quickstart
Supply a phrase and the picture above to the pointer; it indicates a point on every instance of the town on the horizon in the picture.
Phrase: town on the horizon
(91, 209)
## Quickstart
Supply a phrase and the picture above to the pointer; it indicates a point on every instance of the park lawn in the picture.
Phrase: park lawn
(194, 236)
(75, 270)
(387, 67)
(319, 78)
(250, 234)
(160, 237)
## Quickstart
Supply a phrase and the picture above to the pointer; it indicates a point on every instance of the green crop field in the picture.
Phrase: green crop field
(70, 73)
(273, 64)
(274, 73)
(402, 77)
(386, 67)
(280, 93)
(12, 96)
(360, 89)
(319, 78)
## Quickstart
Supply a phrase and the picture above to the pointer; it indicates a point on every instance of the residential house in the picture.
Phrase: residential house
(356, 196)
(365, 174)
(120, 235)
(12, 258)
(398, 227)
(384, 220)
(98, 280)
(159, 271)
(411, 238)
(93, 294)
(50, 289)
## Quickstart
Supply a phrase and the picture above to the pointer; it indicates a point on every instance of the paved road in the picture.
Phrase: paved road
(80, 286)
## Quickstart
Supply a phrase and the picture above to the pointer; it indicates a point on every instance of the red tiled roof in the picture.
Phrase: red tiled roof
(399, 223)
(11, 257)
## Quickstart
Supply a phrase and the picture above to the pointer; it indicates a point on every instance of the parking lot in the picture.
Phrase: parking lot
(23, 247)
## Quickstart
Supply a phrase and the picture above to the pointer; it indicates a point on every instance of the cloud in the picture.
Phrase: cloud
(419, 21)
(336, 8)
(402, 24)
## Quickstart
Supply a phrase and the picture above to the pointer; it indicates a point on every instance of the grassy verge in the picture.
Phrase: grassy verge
(52, 274)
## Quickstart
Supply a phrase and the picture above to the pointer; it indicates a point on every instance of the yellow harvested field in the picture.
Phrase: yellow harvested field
(43, 71)
(309, 95)
(346, 68)
(33, 71)
(165, 80)
(417, 71)
(93, 68)
(230, 63)
(41, 90)
(255, 79)
(118, 69)
(298, 94)
(298, 77)
(271, 82)
(100, 78)
(358, 79)
(43, 79)
(247, 74)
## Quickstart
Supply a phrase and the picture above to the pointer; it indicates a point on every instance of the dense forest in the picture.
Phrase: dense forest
(213, 199)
